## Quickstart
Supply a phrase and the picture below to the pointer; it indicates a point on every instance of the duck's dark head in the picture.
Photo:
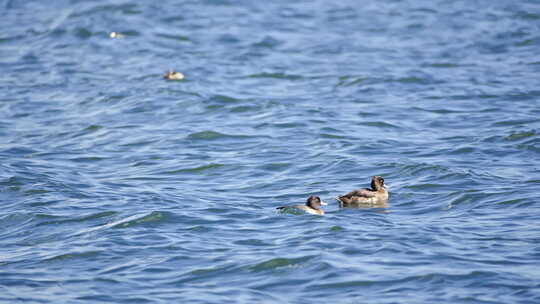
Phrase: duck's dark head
(315, 202)
(377, 183)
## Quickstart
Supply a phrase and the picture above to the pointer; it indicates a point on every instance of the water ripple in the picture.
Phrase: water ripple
(118, 186)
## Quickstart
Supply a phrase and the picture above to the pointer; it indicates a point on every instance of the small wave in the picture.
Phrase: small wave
(421, 169)
(461, 150)
(13, 38)
(346, 284)
(424, 186)
(518, 202)
(332, 136)
(251, 242)
(200, 229)
(429, 277)
(75, 255)
(528, 42)
(198, 169)
(515, 122)
(153, 217)
(276, 76)
(173, 37)
(535, 147)
(13, 224)
(288, 125)
(138, 143)
(336, 229)
(380, 124)
(211, 135)
(520, 135)
(13, 181)
(528, 15)
(173, 19)
(279, 263)
(438, 111)
(415, 80)
(127, 8)
(275, 167)
(223, 99)
(88, 159)
(18, 151)
(469, 198)
(268, 42)
(55, 220)
(204, 273)
(347, 81)
(442, 65)
(243, 109)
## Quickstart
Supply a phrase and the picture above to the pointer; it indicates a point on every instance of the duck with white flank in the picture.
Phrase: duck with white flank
(312, 206)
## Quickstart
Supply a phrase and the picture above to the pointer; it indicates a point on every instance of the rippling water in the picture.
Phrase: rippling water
(118, 186)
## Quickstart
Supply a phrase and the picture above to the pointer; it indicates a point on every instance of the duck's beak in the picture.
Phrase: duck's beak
(323, 203)
(386, 186)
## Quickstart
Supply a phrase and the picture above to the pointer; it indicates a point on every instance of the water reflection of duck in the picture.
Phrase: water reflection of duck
(377, 196)
(312, 206)
(173, 75)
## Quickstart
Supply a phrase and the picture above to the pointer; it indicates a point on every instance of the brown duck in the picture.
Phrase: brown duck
(312, 206)
(376, 196)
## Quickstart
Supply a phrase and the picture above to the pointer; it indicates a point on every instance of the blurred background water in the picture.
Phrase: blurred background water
(118, 186)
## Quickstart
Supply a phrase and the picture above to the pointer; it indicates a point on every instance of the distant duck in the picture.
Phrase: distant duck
(173, 75)
(374, 197)
(116, 35)
(312, 206)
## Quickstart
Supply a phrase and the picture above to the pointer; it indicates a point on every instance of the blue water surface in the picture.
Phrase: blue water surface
(118, 186)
